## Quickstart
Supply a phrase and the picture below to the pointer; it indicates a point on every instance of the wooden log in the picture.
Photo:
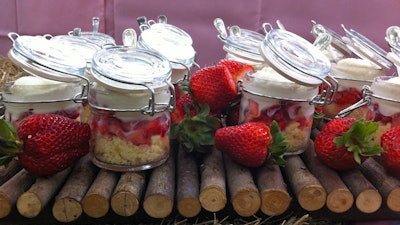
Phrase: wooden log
(128, 192)
(245, 198)
(96, 202)
(35, 199)
(9, 171)
(213, 182)
(367, 197)
(275, 199)
(12, 189)
(187, 188)
(159, 197)
(309, 192)
(387, 185)
(339, 197)
(67, 205)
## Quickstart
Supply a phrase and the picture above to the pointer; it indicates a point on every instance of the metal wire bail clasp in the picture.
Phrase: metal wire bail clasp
(366, 100)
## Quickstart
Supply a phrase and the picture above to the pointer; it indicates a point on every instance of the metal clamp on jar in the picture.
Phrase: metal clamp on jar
(240, 44)
(383, 101)
(289, 88)
(55, 84)
(336, 49)
(172, 42)
(130, 101)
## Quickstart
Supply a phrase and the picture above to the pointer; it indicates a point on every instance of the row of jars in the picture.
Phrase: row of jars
(341, 75)
(129, 90)
(125, 92)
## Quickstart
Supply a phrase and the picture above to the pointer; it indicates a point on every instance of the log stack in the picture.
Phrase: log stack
(190, 188)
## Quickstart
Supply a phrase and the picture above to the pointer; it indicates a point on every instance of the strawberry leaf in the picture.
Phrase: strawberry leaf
(196, 133)
(9, 142)
(358, 140)
(278, 146)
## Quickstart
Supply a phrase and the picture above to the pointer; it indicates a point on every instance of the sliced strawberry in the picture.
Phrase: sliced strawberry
(214, 86)
(237, 69)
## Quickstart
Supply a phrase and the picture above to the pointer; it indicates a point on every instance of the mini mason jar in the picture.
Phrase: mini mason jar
(382, 98)
(55, 83)
(289, 88)
(173, 43)
(352, 72)
(130, 103)
(241, 45)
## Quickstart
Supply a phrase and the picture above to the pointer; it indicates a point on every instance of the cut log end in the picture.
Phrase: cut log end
(339, 200)
(158, 206)
(95, 205)
(393, 200)
(29, 205)
(5, 206)
(312, 197)
(246, 202)
(369, 201)
(275, 202)
(213, 199)
(124, 203)
(67, 210)
(189, 207)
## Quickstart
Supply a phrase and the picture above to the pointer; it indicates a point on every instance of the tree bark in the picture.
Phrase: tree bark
(339, 197)
(368, 199)
(12, 189)
(213, 182)
(32, 202)
(275, 199)
(159, 197)
(245, 197)
(308, 190)
(387, 185)
(187, 190)
(67, 206)
(128, 192)
(96, 202)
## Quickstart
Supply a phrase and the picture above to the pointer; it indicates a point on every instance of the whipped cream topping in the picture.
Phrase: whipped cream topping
(32, 88)
(355, 68)
(387, 87)
(269, 82)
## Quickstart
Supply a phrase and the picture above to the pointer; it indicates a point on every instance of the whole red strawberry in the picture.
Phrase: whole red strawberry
(390, 158)
(247, 143)
(44, 143)
(237, 69)
(344, 143)
(213, 85)
(180, 110)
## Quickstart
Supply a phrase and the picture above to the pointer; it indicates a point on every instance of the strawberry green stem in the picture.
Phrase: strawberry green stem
(10, 144)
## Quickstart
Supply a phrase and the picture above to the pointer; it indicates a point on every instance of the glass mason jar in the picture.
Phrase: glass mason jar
(383, 100)
(173, 43)
(241, 45)
(353, 72)
(55, 83)
(288, 90)
(130, 103)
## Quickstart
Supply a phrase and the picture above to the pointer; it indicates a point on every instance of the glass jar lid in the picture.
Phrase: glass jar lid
(94, 36)
(124, 68)
(85, 47)
(170, 41)
(294, 57)
(366, 49)
(337, 42)
(242, 43)
(53, 60)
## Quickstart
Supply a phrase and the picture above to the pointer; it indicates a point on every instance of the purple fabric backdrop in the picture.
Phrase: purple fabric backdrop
(370, 18)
